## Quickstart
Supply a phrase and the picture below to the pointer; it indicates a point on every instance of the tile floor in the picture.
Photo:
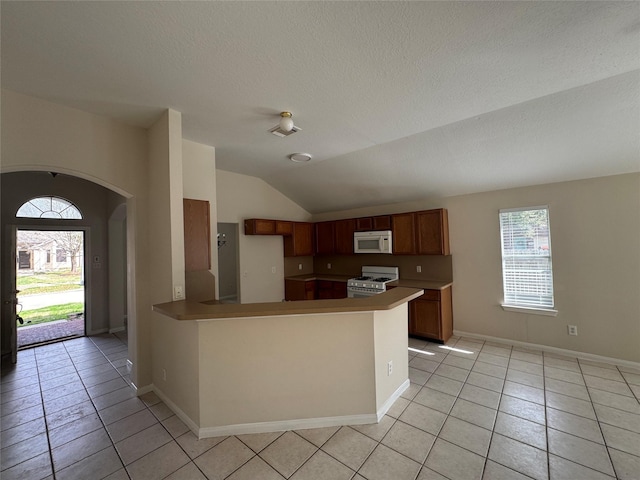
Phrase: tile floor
(474, 410)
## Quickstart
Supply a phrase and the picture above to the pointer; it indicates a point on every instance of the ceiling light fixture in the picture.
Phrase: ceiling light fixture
(285, 127)
(300, 157)
(286, 122)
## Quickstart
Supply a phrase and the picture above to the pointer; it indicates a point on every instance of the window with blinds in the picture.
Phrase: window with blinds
(526, 257)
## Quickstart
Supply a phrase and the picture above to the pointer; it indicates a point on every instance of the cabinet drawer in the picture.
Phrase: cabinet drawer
(431, 295)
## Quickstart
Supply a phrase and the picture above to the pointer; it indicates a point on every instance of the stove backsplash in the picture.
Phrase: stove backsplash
(434, 267)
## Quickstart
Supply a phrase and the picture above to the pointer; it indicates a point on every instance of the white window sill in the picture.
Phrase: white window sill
(548, 312)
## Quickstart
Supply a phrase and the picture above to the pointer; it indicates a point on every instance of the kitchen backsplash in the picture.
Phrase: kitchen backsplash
(433, 267)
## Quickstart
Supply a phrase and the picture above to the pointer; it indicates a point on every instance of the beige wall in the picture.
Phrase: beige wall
(391, 340)
(43, 136)
(595, 242)
(240, 197)
(285, 368)
(199, 183)
(595, 239)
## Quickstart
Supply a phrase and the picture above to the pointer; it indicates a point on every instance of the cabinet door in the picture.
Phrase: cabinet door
(403, 233)
(325, 233)
(339, 290)
(344, 236)
(432, 229)
(424, 319)
(382, 222)
(310, 290)
(325, 289)
(364, 224)
(259, 226)
(197, 235)
(284, 227)
(300, 243)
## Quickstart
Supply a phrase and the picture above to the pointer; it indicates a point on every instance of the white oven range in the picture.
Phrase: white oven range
(372, 281)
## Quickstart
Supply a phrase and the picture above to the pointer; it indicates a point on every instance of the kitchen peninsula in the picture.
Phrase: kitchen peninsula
(250, 368)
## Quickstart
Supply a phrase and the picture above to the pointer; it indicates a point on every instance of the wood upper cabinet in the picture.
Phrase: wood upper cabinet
(381, 222)
(197, 235)
(300, 242)
(431, 315)
(344, 236)
(432, 230)
(284, 227)
(325, 238)
(404, 237)
(259, 226)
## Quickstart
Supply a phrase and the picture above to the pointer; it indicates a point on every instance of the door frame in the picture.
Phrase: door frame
(86, 264)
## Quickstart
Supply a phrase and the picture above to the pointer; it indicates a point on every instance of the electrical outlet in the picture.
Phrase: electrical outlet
(389, 368)
(418, 269)
(299, 266)
(573, 329)
(273, 269)
(328, 266)
(178, 292)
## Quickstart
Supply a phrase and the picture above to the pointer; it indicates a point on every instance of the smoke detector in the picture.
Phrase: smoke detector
(300, 157)
(286, 126)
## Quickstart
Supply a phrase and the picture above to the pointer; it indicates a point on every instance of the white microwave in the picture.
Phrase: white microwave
(372, 242)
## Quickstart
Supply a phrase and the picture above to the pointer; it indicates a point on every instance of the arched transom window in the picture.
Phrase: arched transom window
(49, 207)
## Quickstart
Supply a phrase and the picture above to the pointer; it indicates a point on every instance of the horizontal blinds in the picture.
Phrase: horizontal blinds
(526, 257)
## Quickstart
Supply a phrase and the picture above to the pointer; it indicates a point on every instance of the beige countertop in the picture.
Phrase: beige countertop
(320, 276)
(424, 284)
(211, 310)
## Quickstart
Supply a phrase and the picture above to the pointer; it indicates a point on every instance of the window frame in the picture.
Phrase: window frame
(526, 307)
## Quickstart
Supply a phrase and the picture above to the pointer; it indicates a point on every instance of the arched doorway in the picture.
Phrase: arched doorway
(96, 204)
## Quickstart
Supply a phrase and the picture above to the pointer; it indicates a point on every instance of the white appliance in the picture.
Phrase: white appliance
(372, 242)
(372, 281)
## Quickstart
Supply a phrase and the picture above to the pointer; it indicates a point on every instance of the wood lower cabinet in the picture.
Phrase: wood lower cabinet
(299, 290)
(431, 315)
(328, 289)
(300, 242)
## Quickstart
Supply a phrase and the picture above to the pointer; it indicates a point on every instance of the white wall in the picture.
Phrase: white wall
(240, 197)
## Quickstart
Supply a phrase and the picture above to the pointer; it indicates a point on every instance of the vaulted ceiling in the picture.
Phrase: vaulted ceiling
(397, 101)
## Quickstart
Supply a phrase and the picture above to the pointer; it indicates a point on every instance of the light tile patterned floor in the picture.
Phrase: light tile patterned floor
(474, 410)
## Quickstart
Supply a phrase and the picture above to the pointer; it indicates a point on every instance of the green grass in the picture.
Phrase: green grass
(36, 283)
(50, 314)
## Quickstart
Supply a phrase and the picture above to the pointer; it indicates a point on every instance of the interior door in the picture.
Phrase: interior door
(9, 294)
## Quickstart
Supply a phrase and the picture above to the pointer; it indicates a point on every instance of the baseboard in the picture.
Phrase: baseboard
(141, 390)
(117, 329)
(280, 425)
(546, 348)
(193, 426)
(97, 332)
(129, 366)
(387, 405)
(283, 425)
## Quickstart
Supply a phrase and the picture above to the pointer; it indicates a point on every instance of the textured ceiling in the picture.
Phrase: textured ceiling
(397, 101)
